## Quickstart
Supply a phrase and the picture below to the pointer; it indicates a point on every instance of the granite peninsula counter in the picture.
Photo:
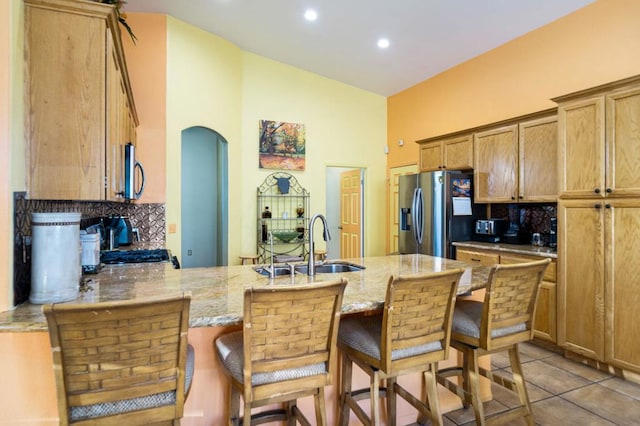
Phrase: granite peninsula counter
(216, 308)
(217, 291)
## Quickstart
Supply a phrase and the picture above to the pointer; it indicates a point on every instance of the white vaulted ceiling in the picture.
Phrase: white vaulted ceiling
(426, 36)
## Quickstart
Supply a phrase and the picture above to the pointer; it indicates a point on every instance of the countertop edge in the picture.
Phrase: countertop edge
(525, 249)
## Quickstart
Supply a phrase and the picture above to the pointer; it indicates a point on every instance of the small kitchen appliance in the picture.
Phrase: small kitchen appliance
(90, 252)
(120, 229)
(489, 230)
(131, 191)
(517, 232)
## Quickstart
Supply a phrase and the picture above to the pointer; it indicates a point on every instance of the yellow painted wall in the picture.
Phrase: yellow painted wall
(214, 84)
(344, 126)
(204, 74)
(594, 45)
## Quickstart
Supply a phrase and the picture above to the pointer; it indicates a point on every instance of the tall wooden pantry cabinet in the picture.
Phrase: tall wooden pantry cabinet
(599, 223)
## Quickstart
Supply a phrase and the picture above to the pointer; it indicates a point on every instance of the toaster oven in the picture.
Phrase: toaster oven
(495, 227)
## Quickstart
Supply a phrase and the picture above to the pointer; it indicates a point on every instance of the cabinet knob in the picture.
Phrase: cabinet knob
(597, 190)
(609, 191)
(607, 206)
(597, 206)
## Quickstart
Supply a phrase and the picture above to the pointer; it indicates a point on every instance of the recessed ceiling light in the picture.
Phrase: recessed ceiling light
(383, 43)
(310, 15)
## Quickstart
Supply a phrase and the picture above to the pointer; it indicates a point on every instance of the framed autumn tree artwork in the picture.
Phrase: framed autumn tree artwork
(282, 145)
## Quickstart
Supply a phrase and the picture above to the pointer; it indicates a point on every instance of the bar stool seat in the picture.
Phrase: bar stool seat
(286, 351)
(248, 259)
(503, 320)
(411, 335)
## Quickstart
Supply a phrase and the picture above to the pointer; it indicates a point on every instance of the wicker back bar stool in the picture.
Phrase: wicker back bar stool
(285, 351)
(410, 335)
(125, 362)
(499, 323)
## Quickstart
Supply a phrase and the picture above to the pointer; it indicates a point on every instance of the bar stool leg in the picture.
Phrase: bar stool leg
(474, 385)
(432, 395)
(345, 389)
(518, 378)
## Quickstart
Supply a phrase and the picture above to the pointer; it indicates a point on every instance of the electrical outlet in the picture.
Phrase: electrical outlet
(172, 228)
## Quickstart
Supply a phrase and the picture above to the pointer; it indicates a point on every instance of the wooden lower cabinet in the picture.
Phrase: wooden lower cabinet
(470, 256)
(599, 288)
(545, 322)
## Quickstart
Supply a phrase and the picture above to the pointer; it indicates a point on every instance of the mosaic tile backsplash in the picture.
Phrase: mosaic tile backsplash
(531, 217)
(150, 219)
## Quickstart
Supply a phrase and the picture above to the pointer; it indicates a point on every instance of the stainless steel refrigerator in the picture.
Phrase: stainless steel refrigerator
(436, 209)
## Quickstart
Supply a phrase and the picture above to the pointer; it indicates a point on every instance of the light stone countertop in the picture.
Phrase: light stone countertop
(510, 248)
(217, 292)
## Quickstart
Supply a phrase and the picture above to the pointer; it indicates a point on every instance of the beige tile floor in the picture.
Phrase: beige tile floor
(562, 392)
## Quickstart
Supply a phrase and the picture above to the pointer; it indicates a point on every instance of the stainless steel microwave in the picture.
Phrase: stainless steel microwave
(133, 185)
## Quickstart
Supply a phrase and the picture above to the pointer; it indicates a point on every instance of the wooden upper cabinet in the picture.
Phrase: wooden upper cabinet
(599, 141)
(538, 160)
(623, 142)
(74, 66)
(495, 164)
(458, 153)
(454, 153)
(581, 126)
(431, 155)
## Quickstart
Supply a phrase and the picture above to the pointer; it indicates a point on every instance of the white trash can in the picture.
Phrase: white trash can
(55, 257)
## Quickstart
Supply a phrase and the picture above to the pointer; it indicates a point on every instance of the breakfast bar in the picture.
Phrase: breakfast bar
(216, 308)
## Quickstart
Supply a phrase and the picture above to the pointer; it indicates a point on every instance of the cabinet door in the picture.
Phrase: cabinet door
(544, 324)
(581, 277)
(495, 164)
(538, 160)
(431, 156)
(623, 287)
(65, 96)
(458, 153)
(581, 150)
(623, 143)
(115, 148)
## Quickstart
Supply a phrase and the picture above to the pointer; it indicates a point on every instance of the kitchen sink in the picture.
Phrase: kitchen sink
(321, 268)
(331, 268)
(278, 270)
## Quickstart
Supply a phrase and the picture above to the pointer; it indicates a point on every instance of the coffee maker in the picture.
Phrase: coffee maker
(516, 234)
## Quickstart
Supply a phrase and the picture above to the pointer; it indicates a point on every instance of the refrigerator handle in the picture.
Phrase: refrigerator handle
(414, 219)
(419, 225)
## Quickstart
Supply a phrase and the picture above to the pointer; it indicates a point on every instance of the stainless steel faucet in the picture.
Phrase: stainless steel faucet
(311, 267)
(272, 271)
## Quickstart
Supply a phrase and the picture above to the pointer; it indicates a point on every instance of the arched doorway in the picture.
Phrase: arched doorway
(204, 198)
